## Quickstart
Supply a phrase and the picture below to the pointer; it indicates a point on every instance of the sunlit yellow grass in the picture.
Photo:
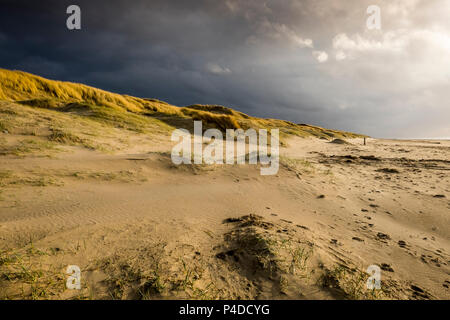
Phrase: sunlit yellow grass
(20, 86)
(43, 93)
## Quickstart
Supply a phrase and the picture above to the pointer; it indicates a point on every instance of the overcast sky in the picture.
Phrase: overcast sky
(307, 61)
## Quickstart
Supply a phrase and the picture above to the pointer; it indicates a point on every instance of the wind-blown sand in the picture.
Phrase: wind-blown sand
(86, 179)
(139, 227)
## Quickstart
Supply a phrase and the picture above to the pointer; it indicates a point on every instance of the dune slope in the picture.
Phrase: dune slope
(86, 179)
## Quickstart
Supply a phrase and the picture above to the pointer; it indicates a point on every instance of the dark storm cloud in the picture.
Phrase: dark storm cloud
(308, 61)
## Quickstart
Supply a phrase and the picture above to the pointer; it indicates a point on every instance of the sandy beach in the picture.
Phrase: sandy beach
(140, 227)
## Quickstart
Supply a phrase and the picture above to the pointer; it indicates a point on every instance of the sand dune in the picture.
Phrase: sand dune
(76, 190)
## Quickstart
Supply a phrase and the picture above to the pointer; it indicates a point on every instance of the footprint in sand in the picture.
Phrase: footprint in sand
(386, 267)
(383, 236)
(419, 293)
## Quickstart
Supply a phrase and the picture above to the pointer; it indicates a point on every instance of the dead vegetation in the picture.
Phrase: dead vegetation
(122, 176)
(345, 282)
(265, 251)
(63, 137)
(35, 178)
(256, 258)
(277, 253)
(23, 147)
(156, 273)
(24, 275)
(298, 166)
(7, 179)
